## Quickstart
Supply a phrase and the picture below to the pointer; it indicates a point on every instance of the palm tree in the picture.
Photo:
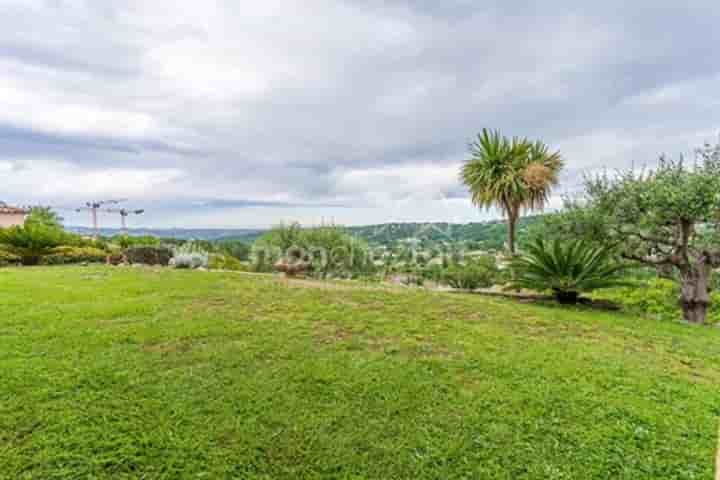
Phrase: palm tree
(512, 174)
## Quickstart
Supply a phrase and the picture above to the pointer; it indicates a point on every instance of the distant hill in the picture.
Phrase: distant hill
(245, 234)
(489, 235)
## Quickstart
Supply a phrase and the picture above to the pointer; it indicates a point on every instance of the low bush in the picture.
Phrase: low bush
(234, 248)
(434, 273)
(70, 255)
(78, 241)
(413, 279)
(7, 258)
(34, 241)
(657, 298)
(148, 255)
(226, 262)
(127, 241)
(478, 273)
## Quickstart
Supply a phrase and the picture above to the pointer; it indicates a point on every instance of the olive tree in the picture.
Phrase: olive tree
(668, 216)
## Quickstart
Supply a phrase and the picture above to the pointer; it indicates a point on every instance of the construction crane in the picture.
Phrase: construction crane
(93, 208)
(123, 216)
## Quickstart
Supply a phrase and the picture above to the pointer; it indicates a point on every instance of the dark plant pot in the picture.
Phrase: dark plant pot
(31, 261)
(567, 298)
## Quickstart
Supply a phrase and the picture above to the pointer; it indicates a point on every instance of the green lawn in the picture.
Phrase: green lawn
(137, 373)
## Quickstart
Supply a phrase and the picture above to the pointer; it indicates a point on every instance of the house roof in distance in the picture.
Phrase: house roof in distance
(9, 209)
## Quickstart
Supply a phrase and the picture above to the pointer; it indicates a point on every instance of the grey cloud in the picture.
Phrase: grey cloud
(270, 103)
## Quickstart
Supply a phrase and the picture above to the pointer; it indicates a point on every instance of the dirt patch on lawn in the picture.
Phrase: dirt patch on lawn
(179, 345)
(336, 284)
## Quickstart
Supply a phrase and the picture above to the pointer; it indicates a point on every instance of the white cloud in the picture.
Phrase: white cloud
(395, 183)
(64, 181)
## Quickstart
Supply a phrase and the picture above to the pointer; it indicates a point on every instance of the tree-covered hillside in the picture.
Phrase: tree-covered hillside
(487, 235)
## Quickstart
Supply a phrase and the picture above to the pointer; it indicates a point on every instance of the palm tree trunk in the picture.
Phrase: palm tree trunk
(512, 222)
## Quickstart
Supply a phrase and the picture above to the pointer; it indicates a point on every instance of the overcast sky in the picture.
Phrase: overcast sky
(246, 113)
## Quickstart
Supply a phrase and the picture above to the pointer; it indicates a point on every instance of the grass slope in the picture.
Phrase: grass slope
(135, 373)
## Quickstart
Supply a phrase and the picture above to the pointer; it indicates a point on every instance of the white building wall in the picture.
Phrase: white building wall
(11, 219)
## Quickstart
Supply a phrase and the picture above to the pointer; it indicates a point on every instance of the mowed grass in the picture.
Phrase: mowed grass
(141, 373)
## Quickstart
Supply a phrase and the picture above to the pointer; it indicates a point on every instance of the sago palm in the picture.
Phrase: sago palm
(567, 269)
(512, 174)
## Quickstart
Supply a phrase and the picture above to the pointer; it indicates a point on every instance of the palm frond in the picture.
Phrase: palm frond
(510, 172)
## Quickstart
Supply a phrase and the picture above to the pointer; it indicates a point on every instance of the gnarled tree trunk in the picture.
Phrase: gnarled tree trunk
(695, 291)
(666, 271)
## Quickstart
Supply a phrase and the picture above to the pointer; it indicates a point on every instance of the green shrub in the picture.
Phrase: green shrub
(235, 248)
(127, 241)
(148, 255)
(434, 272)
(481, 272)
(413, 278)
(70, 255)
(7, 258)
(656, 298)
(226, 262)
(713, 316)
(262, 259)
(34, 241)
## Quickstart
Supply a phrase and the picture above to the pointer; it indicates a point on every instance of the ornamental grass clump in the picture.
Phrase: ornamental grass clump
(190, 256)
